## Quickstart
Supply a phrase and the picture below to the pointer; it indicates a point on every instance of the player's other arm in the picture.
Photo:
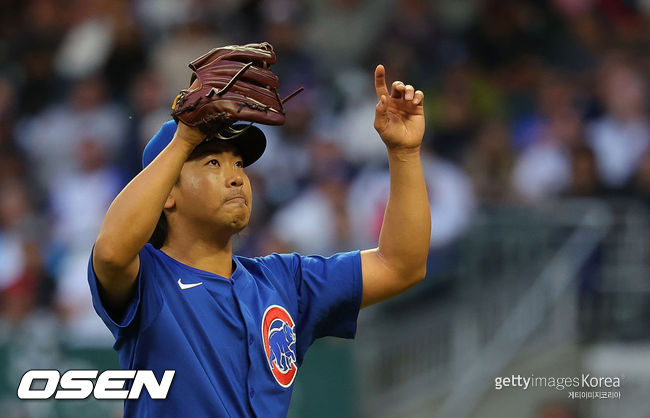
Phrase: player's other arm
(399, 261)
(132, 218)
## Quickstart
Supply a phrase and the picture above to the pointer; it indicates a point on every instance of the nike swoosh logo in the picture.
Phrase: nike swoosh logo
(184, 286)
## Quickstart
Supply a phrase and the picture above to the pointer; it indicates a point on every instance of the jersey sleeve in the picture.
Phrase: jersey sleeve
(135, 316)
(329, 294)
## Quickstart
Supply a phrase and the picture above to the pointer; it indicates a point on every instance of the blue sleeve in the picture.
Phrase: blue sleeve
(135, 317)
(329, 293)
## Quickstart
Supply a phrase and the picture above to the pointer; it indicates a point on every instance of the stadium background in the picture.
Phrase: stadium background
(537, 155)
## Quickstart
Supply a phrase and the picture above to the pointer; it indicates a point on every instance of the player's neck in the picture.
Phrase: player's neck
(212, 256)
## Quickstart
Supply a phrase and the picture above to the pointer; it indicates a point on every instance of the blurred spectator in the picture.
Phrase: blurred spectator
(35, 44)
(508, 30)
(161, 16)
(12, 163)
(8, 111)
(79, 202)
(353, 125)
(285, 163)
(283, 27)
(258, 239)
(342, 30)
(410, 44)
(554, 95)
(450, 196)
(52, 138)
(452, 115)
(582, 36)
(127, 57)
(87, 42)
(639, 186)
(455, 111)
(316, 221)
(148, 110)
(171, 55)
(622, 135)
(544, 167)
(489, 164)
(22, 274)
(13, 204)
(584, 175)
(80, 199)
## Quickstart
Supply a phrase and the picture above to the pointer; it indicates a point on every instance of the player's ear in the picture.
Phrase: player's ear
(170, 203)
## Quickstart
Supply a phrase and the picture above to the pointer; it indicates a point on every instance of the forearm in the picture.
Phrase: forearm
(133, 215)
(406, 229)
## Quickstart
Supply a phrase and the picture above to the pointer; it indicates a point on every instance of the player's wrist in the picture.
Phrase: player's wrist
(188, 135)
(404, 153)
(182, 146)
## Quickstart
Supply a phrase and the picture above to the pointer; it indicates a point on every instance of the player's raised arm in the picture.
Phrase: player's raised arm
(399, 262)
(132, 218)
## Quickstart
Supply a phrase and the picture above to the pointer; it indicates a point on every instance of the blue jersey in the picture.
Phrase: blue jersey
(236, 344)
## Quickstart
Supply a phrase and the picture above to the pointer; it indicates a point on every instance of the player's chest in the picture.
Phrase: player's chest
(244, 302)
(251, 316)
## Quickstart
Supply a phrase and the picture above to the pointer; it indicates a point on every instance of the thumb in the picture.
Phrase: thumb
(381, 105)
(380, 113)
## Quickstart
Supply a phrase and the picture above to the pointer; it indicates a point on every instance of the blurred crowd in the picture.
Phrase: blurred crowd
(525, 101)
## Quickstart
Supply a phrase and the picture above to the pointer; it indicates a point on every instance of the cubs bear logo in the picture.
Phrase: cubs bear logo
(279, 335)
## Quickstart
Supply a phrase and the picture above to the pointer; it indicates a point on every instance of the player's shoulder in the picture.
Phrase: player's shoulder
(151, 256)
(152, 253)
(278, 263)
(292, 263)
(279, 270)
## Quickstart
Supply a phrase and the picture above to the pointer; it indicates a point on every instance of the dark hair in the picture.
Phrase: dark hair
(160, 233)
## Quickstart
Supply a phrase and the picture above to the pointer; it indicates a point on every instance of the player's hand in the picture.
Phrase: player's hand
(399, 115)
(188, 134)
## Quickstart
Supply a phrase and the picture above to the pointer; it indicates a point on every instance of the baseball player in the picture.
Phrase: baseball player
(165, 281)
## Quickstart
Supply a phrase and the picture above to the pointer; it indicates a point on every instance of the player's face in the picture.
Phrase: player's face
(213, 189)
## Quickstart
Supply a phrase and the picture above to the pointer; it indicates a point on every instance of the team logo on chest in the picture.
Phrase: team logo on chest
(279, 335)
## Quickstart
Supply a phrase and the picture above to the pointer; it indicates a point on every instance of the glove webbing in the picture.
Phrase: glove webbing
(234, 78)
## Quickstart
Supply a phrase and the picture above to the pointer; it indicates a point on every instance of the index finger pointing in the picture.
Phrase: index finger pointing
(380, 82)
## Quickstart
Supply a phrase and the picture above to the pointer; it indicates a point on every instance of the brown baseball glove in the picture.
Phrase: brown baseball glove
(229, 84)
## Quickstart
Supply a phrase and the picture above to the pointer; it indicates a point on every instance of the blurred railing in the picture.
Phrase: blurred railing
(616, 306)
(513, 267)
